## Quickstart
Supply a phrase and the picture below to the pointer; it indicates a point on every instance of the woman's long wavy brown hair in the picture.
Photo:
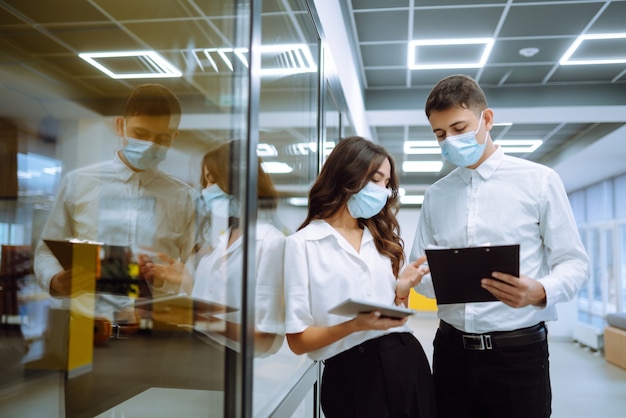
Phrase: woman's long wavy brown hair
(348, 168)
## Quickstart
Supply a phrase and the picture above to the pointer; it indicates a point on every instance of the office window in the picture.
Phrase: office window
(600, 211)
(577, 200)
(619, 192)
(600, 202)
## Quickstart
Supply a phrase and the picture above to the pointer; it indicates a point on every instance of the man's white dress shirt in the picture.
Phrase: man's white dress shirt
(505, 200)
(110, 203)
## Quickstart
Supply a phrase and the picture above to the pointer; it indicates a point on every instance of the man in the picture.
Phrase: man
(497, 199)
(126, 201)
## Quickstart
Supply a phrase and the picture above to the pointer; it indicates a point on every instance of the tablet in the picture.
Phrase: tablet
(181, 301)
(352, 307)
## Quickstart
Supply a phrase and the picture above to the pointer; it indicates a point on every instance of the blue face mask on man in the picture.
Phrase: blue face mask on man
(463, 150)
(368, 202)
(142, 154)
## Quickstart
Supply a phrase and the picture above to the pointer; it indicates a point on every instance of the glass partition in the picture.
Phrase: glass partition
(133, 232)
(287, 149)
(124, 129)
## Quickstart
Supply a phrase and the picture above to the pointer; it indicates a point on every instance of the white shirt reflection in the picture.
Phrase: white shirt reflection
(218, 279)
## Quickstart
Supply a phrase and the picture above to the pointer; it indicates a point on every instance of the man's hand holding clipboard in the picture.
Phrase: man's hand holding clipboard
(482, 274)
(516, 292)
(457, 273)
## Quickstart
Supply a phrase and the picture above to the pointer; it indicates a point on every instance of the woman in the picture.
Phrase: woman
(349, 246)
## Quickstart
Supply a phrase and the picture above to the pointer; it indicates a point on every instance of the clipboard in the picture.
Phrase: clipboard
(456, 272)
(63, 250)
(353, 307)
(112, 272)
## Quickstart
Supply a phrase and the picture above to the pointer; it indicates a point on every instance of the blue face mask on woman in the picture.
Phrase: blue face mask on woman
(368, 202)
(211, 193)
(463, 150)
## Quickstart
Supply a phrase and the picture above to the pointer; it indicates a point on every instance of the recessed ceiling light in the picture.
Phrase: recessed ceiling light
(414, 59)
(152, 64)
(565, 60)
(528, 52)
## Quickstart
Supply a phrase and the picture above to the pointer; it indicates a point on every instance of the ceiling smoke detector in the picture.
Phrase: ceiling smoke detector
(528, 52)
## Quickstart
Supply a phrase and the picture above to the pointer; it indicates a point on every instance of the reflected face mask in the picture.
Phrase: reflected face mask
(143, 154)
(209, 194)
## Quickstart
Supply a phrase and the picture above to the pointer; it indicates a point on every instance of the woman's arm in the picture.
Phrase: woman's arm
(411, 276)
(313, 338)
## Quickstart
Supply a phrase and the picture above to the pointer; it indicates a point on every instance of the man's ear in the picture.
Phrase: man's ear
(119, 126)
(488, 115)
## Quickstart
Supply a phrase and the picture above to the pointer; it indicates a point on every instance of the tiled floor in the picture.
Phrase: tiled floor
(584, 385)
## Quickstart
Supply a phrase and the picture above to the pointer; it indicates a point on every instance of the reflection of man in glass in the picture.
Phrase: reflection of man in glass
(126, 201)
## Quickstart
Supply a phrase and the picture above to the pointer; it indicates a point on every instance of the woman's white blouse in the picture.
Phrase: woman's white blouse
(218, 277)
(322, 270)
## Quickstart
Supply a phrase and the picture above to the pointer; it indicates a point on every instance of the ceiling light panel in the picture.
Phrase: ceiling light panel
(422, 166)
(266, 150)
(591, 49)
(131, 64)
(276, 167)
(276, 60)
(412, 199)
(518, 146)
(422, 147)
(437, 54)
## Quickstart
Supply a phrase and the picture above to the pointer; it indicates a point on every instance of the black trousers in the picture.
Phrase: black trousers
(386, 377)
(506, 382)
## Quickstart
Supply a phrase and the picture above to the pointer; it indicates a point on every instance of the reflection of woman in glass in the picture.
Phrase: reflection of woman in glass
(215, 204)
(218, 274)
(349, 246)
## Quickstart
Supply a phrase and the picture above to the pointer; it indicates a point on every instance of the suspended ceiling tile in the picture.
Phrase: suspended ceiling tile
(550, 19)
(57, 11)
(456, 23)
(385, 78)
(368, 26)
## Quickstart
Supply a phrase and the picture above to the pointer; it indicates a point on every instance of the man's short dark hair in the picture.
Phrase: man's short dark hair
(153, 100)
(456, 91)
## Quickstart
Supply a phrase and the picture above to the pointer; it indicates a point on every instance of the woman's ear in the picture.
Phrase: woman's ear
(208, 177)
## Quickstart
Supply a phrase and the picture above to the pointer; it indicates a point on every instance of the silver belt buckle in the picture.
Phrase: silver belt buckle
(477, 342)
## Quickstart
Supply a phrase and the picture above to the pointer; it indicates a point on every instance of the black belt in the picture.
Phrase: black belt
(499, 339)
